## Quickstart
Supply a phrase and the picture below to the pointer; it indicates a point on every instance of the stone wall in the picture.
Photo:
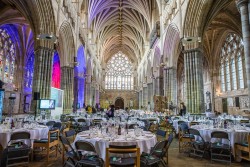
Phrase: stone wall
(109, 97)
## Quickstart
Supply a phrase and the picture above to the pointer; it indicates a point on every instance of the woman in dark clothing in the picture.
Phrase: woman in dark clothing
(111, 111)
(183, 109)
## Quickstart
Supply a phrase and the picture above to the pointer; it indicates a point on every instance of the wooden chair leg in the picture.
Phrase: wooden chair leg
(48, 156)
(56, 150)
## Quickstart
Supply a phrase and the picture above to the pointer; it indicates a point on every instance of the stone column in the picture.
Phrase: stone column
(244, 7)
(97, 96)
(150, 95)
(140, 99)
(171, 85)
(93, 94)
(145, 97)
(42, 74)
(88, 94)
(156, 86)
(67, 82)
(193, 65)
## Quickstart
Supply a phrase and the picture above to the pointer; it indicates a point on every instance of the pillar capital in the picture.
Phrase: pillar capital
(192, 50)
(241, 3)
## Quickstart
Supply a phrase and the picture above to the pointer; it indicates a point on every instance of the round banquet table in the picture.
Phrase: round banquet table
(35, 133)
(101, 143)
(235, 136)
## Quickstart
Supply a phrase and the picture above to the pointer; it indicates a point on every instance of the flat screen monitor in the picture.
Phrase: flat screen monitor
(47, 104)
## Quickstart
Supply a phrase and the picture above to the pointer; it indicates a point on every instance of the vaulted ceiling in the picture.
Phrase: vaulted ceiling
(120, 25)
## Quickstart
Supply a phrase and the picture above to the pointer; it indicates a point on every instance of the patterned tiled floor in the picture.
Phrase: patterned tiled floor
(175, 160)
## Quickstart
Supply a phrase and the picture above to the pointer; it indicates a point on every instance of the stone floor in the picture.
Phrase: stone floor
(176, 159)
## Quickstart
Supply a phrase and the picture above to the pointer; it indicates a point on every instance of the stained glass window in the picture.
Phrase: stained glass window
(29, 69)
(232, 69)
(119, 74)
(7, 57)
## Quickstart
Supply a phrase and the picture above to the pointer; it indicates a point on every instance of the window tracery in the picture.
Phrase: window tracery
(119, 73)
(7, 57)
(231, 64)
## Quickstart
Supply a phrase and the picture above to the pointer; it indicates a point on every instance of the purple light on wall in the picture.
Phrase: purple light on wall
(79, 70)
(56, 73)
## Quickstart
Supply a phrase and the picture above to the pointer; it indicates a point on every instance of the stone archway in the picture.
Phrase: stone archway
(119, 103)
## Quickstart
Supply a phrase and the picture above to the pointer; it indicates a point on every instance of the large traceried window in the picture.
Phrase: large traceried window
(119, 74)
(7, 57)
(231, 70)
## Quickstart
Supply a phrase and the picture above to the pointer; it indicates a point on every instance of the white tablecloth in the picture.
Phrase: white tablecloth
(143, 142)
(35, 133)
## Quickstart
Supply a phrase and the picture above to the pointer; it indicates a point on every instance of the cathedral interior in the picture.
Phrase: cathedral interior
(140, 55)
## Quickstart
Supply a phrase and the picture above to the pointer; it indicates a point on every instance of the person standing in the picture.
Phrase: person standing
(182, 109)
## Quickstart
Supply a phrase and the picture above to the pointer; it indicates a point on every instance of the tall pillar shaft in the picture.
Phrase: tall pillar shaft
(145, 97)
(193, 64)
(243, 6)
(156, 86)
(171, 85)
(88, 94)
(67, 82)
(43, 72)
(150, 95)
(140, 99)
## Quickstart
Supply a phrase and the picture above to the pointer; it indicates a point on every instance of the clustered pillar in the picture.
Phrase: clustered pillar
(88, 94)
(43, 73)
(193, 63)
(171, 85)
(67, 79)
(243, 6)
(156, 86)
(150, 95)
(145, 97)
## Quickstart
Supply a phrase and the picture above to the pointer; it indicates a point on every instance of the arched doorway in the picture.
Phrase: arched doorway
(119, 103)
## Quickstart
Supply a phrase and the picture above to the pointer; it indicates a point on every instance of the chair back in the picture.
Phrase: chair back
(194, 123)
(132, 126)
(180, 122)
(70, 133)
(81, 120)
(53, 136)
(159, 147)
(58, 125)
(84, 146)
(195, 132)
(219, 135)
(50, 123)
(161, 133)
(244, 121)
(123, 150)
(20, 135)
(67, 146)
(170, 139)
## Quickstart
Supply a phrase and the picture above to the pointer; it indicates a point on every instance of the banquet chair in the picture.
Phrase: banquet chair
(170, 139)
(17, 153)
(97, 121)
(244, 121)
(155, 156)
(244, 148)
(50, 124)
(57, 125)
(89, 159)
(115, 161)
(218, 150)
(199, 146)
(131, 126)
(194, 123)
(49, 143)
(71, 154)
(161, 134)
(70, 134)
(185, 138)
